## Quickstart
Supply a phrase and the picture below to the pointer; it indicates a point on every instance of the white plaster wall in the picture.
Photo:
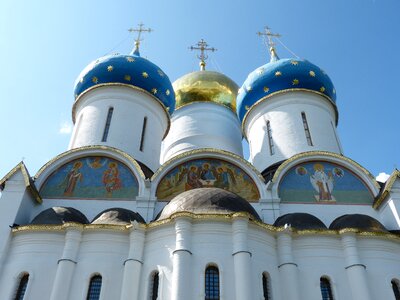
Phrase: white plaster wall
(130, 108)
(283, 111)
(202, 125)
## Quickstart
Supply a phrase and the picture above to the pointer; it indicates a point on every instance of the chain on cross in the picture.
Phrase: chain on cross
(203, 47)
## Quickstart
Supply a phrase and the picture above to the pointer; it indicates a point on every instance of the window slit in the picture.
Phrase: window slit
(270, 140)
(143, 133)
(306, 129)
(94, 288)
(326, 290)
(212, 283)
(265, 283)
(108, 123)
(23, 283)
(154, 287)
(396, 289)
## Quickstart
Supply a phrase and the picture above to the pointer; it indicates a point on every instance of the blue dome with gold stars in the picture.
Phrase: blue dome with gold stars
(283, 75)
(127, 70)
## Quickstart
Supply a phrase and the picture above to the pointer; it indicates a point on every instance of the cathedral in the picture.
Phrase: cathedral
(154, 199)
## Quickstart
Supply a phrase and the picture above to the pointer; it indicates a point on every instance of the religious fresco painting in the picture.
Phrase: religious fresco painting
(323, 182)
(207, 172)
(91, 177)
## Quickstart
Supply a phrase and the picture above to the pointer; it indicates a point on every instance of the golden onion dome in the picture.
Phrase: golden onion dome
(205, 86)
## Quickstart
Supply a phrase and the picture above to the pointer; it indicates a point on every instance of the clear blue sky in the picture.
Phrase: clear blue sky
(45, 44)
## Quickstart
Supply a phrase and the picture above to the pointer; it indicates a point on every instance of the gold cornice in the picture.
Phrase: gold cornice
(323, 153)
(93, 147)
(29, 184)
(123, 85)
(258, 102)
(205, 217)
(387, 188)
(212, 102)
(206, 151)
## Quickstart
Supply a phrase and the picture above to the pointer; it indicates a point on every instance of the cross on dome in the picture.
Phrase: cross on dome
(138, 39)
(203, 47)
(270, 43)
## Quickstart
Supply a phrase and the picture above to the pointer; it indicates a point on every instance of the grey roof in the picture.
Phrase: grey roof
(357, 221)
(59, 215)
(117, 216)
(207, 200)
(300, 221)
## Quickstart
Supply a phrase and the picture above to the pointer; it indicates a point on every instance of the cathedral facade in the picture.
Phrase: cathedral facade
(154, 199)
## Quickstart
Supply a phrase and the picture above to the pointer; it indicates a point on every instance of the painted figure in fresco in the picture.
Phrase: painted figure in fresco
(322, 183)
(111, 178)
(96, 163)
(193, 178)
(72, 178)
(207, 175)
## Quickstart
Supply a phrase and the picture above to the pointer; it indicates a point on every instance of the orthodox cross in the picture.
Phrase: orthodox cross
(138, 39)
(203, 47)
(267, 33)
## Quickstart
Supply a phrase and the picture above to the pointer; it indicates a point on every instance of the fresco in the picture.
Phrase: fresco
(207, 172)
(323, 182)
(91, 177)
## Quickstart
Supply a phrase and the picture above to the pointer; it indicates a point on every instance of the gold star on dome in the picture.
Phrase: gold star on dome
(248, 88)
(81, 80)
(266, 89)
(240, 90)
(260, 71)
(312, 73)
(95, 79)
(76, 95)
(246, 107)
(130, 59)
(295, 82)
(110, 68)
(278, 73)
(127, 77)
(334, 91)
(161, 73)
(154, 91)
(294, 62)
(145, 75)
(167, 108)
(322, 89)
(167, 92)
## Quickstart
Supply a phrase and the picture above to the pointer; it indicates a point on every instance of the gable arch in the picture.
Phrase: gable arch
(91, 172)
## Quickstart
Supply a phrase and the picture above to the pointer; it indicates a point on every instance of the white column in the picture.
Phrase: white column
(66, 264)
(356, 271)
(181, 273)
(241, 259)
(133, 264)
(287, 267)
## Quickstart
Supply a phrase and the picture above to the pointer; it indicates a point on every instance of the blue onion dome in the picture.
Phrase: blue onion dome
(206, 86)
(283, 75)
(127, 70)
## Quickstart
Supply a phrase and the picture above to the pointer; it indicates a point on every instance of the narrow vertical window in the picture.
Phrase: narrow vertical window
(108, 123)
(306, 129)
(143, 133)
(154, 286)
(23, 283)
(270, 140)
(396, 289)
(212, 283)
(94, 288)
(265, 283)
(326, 290)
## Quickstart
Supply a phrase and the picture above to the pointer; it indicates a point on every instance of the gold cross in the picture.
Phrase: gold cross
(203, 47)
(138, 39)
(267, 32)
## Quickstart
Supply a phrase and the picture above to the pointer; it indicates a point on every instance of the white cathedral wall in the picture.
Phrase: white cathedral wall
(125, 131)
(283, 111)
(202, 125)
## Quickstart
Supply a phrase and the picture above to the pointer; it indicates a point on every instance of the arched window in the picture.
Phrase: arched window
(154, 283)
(265, 284)
(212, 283)
(396, 289)
(23, 283)
(108, 123)
(326, 290)
(94, 288)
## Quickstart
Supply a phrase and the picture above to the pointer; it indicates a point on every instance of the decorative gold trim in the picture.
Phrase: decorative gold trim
(323, 153)
(29, 183)
(258, 102)
(387, 188)
(198, 101)
(206, 151)
(93, 147)
(124, 85)
(204, 217)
